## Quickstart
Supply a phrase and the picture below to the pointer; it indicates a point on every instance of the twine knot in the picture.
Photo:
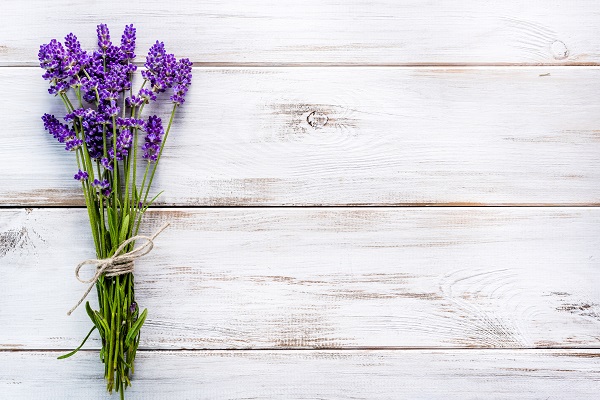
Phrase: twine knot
(117, 264)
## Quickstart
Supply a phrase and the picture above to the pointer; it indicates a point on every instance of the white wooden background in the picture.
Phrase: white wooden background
(298, 172)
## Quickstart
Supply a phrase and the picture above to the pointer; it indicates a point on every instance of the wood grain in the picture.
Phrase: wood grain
(396, 103)
(347, 32)
(418, 374)
(344, 136)
(321, 278)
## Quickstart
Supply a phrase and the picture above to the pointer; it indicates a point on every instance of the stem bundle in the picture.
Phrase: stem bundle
(103, 131)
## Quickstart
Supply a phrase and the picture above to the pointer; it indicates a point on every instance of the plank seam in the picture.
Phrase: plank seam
(279, 349)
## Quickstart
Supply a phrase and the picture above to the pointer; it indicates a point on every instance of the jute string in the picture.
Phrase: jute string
(117, 264)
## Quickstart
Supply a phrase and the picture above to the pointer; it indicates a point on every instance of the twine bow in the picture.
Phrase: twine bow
(117, 264)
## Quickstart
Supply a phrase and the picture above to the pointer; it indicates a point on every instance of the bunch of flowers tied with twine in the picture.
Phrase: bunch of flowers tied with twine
(105, 128)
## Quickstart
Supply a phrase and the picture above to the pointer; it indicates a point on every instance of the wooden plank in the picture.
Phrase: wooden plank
(383, 136)
(351, 32)
(321, 278)
(418, 374)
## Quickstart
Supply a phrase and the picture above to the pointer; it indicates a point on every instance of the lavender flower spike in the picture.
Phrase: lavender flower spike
(73, 46)
(160, 68)
(128, 42)
(154, 132)
(81, 175)
(61, 132)
(101, 184)
(183, 79)
(103, 37)
(51, 58)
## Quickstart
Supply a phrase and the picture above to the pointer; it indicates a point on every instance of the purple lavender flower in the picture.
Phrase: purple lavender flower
(51, 58)
(123, 143)
(123, 122)
(78, 113)
(113, 111)
(154, 132)
(130, 123)
(81, 175)
(61, 132)
(116, 79)
(182, 80)
(155, 58)
(128, 42)
(53, 126)
(59, 65)
(92, 123)
(72, 143)
(160, 68)
(60, 87)
(134, 101)
(147, 95)
(102, 77)
(76, 52)
(109, 110)
(178, 96)
(103, 37)
(89, 87)
(101, 184)
(107, 163)
(137, 123)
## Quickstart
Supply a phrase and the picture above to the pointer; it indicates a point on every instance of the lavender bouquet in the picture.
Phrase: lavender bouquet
(102, 127)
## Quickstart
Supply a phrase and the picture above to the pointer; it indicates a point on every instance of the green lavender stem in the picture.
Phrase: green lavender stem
(117, 312)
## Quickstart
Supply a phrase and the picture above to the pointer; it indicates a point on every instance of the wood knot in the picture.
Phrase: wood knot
(559, 50)
(316, 119)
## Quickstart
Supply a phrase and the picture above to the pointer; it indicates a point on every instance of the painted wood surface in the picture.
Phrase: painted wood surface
(263, 32)
(349, 374)
(345, 136)
(321, 278)
(328, 103)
